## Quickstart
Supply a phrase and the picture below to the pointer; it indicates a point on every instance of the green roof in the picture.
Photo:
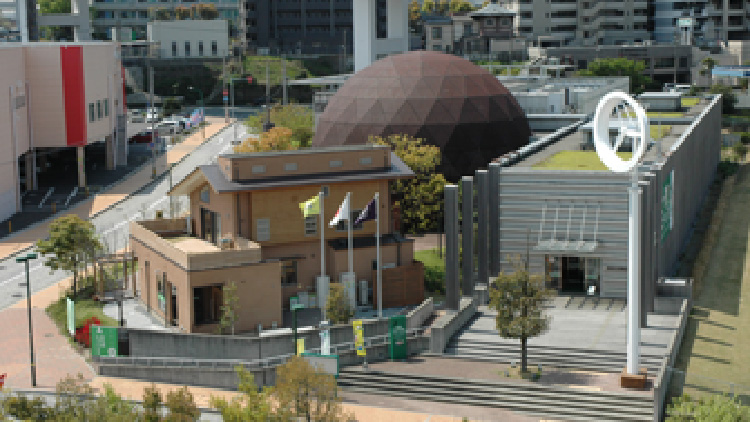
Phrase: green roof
(576, 160)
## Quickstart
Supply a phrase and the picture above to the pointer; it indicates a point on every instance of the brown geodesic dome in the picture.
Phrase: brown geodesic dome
(446, 100)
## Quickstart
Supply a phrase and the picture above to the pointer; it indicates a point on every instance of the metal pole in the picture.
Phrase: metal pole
(153, 131)
(224, 85)
(322, 236)
(377, 247)
(349, 234)
(634, 295)
(451, 247)
(31, 329)
(234, 124)
(494, 219)
(294, 328)
(467, 234)
(268, 92)
(482, 177)
(285, 98)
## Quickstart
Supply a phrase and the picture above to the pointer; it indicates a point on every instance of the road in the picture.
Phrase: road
(112, 225)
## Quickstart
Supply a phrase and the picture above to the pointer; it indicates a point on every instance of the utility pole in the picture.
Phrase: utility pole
(152, 112)
(284, 98)
(224, 84)
(268, 95)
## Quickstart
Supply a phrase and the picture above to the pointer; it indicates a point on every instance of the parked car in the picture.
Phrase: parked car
(142, 137)
(136, 116)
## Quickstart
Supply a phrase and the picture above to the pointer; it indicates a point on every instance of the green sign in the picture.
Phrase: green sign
(71, 311)
(397, 330)
(667, 205)
(103, 341)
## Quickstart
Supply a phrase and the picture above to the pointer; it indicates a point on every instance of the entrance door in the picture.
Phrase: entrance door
(573, 274)
(209, 225)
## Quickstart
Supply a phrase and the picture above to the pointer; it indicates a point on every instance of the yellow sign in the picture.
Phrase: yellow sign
(359, 338)
(300, 346)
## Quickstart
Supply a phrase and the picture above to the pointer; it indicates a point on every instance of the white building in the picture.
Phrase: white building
(190, 38)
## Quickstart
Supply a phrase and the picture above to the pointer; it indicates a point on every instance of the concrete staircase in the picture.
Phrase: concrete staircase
(559, 403)
(559, 357)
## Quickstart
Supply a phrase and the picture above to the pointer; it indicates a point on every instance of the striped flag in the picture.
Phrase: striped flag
(369, 213)
(342, 213)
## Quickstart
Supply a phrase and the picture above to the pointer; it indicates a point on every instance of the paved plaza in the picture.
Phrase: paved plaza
(592, 323)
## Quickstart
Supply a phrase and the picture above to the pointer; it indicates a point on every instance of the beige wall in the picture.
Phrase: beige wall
(222, 204)
(102, 72)
(14, 137)
(48, 111)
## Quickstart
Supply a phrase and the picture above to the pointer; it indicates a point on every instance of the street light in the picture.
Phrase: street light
(203, 113)
(25, 259)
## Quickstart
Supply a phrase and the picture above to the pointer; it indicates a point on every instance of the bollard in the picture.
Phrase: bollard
(54, 207)
(10, 228)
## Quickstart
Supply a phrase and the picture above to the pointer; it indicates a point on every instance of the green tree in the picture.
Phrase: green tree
(338, 310)
(419, 199)
(728, 98)
(428, 6)
(460, 6)
(415, 17)
(519, 298)
(707, 66)
(70, 240)
(252, 406)
(297, 118)
(230, 307)
(621, 67)
(152, 401)
(715, 408)
(181, 405)
(307, 393)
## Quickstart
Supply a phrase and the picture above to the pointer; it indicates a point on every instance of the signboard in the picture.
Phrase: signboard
(359, 338)
(397, 329)
(71, 313)
(300, 346)
(667, 205)
(685, 22)
(325, 342)
(103, 341)
(328, 364)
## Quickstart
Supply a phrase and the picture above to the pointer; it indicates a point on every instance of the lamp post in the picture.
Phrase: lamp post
(25, 259)
(203, 113)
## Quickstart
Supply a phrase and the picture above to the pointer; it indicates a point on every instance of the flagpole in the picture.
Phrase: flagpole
(322, 235)
(377, 247)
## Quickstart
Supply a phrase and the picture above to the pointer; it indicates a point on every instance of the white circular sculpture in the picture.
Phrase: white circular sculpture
(619, 110)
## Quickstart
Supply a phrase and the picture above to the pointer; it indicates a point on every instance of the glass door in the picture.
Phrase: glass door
(593, 271)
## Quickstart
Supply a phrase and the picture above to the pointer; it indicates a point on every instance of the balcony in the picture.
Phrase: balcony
(172, 240)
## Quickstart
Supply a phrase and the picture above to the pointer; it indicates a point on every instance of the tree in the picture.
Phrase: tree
(428, 6)
(460, 6)
(229, 308)
(277, 138)
(252, 406)
(297, 118)
(205, 11)
(152, 401)
(728, 99)
(307, 393)
(708, 64)
(518, 298)
(715, 408)
(70, 239)
(183, 13)
(181, 405)
(415, 17)
(420, 198)
(338, 310)
(621, 67)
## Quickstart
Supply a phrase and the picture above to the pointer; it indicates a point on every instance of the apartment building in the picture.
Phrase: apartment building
(190, 39)
(109, 15)
(245, 226)
(549, 23)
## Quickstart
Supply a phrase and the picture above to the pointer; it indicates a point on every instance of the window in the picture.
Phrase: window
(262, 230)
(365, 161)
(468, 29)
(187, 48)
(437, 47)
(106, 107)
(437, 33)
(289, 272)
(311, 225)
(342, 225)
(161, 281)
(174, 48)
(200, 48)
(290, 167)
(99, 109)
(92, 112)
(335, 163)
(489, 22)
(214, 48)
(205, 195)
(207, 303)
(259, 168)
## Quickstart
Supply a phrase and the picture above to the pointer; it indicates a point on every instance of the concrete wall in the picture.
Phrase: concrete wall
(449, 324)
(14, 133)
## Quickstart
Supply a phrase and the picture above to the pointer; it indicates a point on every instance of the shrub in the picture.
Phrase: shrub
(745, 138)
(83, 333)
(740, 150)
(434, 279)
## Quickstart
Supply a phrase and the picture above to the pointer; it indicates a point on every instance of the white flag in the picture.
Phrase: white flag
(342, 213)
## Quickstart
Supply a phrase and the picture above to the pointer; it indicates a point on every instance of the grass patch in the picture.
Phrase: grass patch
(434, 270)
(715, 347)
(689, 101)
(256, 66)
(576, 160)
(430, 258)
(84, 309)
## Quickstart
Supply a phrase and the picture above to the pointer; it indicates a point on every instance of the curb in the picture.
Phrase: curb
(138, 190)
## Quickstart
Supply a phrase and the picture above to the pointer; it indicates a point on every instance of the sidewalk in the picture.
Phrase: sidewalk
(102, 201)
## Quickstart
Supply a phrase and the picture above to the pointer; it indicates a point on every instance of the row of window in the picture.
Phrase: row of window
(188, 52)
(98, 110)
(261, 168)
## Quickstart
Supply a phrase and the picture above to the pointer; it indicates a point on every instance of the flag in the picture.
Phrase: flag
(341, 214)
(311, 206)
(369, 213)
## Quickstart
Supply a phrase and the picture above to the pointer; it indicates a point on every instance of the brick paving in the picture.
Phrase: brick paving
(55, 357)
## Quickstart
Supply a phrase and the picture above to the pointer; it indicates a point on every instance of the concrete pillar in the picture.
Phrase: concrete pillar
(121, 140)
(451, 247)
(467, 235)
(365, 34)
(109, 152)
(81, 161)
(397, 12)
(494, 218)
(482, 177)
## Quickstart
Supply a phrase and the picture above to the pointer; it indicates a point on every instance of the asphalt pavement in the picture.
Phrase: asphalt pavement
(112, 225)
